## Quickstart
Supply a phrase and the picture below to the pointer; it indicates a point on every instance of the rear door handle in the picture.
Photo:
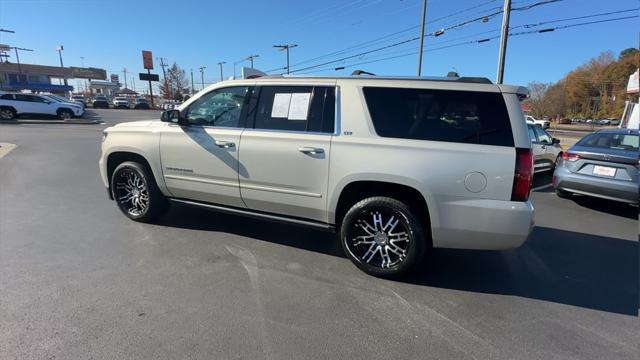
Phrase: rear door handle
(310, 150)
(225, 144)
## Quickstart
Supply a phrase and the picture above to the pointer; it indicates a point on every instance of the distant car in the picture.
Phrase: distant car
(604, 122)
(13, 105)
(79, 99)
(546, 149)
(100, 102)
(543, 123)
(603, 164)
(142, 104)
(588, 121)
(121, 103)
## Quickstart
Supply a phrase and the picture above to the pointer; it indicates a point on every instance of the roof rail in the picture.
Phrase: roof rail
(362, 72)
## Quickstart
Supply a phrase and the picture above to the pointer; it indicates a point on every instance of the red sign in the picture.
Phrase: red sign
(147, 59)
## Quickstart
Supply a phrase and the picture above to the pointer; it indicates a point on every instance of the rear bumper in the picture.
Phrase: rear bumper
(483, 224)
(624, 191)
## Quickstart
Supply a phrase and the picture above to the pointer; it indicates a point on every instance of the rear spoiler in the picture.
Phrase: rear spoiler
(521, 91)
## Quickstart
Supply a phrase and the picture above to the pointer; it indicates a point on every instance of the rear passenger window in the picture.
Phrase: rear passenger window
(440, 115)
(295, 108)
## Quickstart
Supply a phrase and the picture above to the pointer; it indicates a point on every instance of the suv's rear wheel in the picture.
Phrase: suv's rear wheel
(65, 114)
(7, 113)
(382, 237)
(136, 193)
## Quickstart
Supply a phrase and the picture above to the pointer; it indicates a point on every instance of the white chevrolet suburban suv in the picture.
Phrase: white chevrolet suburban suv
(394, 165)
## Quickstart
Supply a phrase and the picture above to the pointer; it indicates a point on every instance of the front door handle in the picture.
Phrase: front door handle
(310, 150)
(225, 144)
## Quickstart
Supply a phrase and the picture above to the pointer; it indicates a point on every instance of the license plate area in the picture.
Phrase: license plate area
(604, 171)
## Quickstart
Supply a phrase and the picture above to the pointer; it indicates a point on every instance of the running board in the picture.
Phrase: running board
(257, 215)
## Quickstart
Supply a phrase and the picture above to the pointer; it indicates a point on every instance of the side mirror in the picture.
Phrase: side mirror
(172, 116)
(555, 141)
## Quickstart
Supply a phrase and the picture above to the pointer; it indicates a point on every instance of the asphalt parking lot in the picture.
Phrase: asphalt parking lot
(80, 281)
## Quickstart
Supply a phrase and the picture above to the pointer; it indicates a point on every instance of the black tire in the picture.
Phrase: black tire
(140, 199)
(7, 113)
(563, 194)
(409, 248)
(65, 114)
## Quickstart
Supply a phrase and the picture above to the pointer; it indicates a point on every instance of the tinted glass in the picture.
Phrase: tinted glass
(222, 107)
(440, 115)
(7, 97)
(611, 141)
(22, 97)
(295, 108)
(543, 137)
(532, 134)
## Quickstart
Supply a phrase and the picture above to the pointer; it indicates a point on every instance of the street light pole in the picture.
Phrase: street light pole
(125, 78)
(221, 63)
(202, 74)
(286, 47)
(424, 15)
(60, 48)
(503, 40)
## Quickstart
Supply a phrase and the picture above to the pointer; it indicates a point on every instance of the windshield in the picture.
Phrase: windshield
(627, 142)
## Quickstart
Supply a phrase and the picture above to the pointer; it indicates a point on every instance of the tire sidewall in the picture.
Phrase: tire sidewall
(61, 113)
(415, 250)
(11, 111)
(141, 171)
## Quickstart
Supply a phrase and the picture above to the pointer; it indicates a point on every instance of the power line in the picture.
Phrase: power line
(574, 18)
(364, 44)
(433, 33)
(480, 41)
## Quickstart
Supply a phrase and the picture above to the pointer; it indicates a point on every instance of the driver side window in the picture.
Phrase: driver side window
(221, 108)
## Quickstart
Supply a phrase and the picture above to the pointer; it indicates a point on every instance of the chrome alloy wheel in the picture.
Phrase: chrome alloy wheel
(131, 192)
(6, 114)
(379, 238)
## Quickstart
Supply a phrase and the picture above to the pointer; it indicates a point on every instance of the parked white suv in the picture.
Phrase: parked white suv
(121, 102)
(540, 122)
(13, 105)
(395, 165)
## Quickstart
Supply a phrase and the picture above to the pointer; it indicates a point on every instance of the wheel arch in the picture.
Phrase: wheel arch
(356, 190)
(117, 157)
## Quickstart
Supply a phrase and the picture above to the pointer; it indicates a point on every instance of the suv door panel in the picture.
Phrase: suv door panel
(200, 162)
(287, 168)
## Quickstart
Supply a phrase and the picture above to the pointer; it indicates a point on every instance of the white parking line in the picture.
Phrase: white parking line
(5, 148)
(542, 187)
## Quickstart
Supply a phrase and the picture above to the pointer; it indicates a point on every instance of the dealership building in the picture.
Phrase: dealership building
(43, 78)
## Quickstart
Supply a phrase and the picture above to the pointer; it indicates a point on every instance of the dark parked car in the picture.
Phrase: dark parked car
(100, 102)
(603, 164)
(142, 104)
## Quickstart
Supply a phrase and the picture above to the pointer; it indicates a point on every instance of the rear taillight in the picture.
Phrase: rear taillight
(567, 156)
(523, 177)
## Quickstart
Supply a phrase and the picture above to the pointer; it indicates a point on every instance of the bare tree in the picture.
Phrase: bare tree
(175, 83)
(539, 103)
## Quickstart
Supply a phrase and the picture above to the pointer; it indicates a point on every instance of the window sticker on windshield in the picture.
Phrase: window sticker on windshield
(280, 107)
(299, 107)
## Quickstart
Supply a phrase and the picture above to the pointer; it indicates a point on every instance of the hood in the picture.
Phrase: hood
(141, 123)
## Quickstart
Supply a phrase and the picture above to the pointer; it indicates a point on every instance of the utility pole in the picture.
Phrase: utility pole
(192, 88)
(60, 48)
(163, 64)
(503, 40)
(251, 57)
(424, 16)
(221, 63)
(133, 80)
(18, 57)
(202, 74)
(125, 77)
(286, 47)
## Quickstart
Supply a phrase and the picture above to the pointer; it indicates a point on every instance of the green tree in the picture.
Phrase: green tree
(627, 52)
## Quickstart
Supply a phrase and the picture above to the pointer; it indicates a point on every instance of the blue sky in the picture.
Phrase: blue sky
(111, 35)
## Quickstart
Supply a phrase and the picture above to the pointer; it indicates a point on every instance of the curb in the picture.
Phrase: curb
(57, 122)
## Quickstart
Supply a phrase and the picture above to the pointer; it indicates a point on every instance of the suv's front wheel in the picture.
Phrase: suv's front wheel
(136, 193)
(382, 237)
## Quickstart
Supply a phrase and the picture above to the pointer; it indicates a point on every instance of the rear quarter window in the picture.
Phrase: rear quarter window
(440, 115)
